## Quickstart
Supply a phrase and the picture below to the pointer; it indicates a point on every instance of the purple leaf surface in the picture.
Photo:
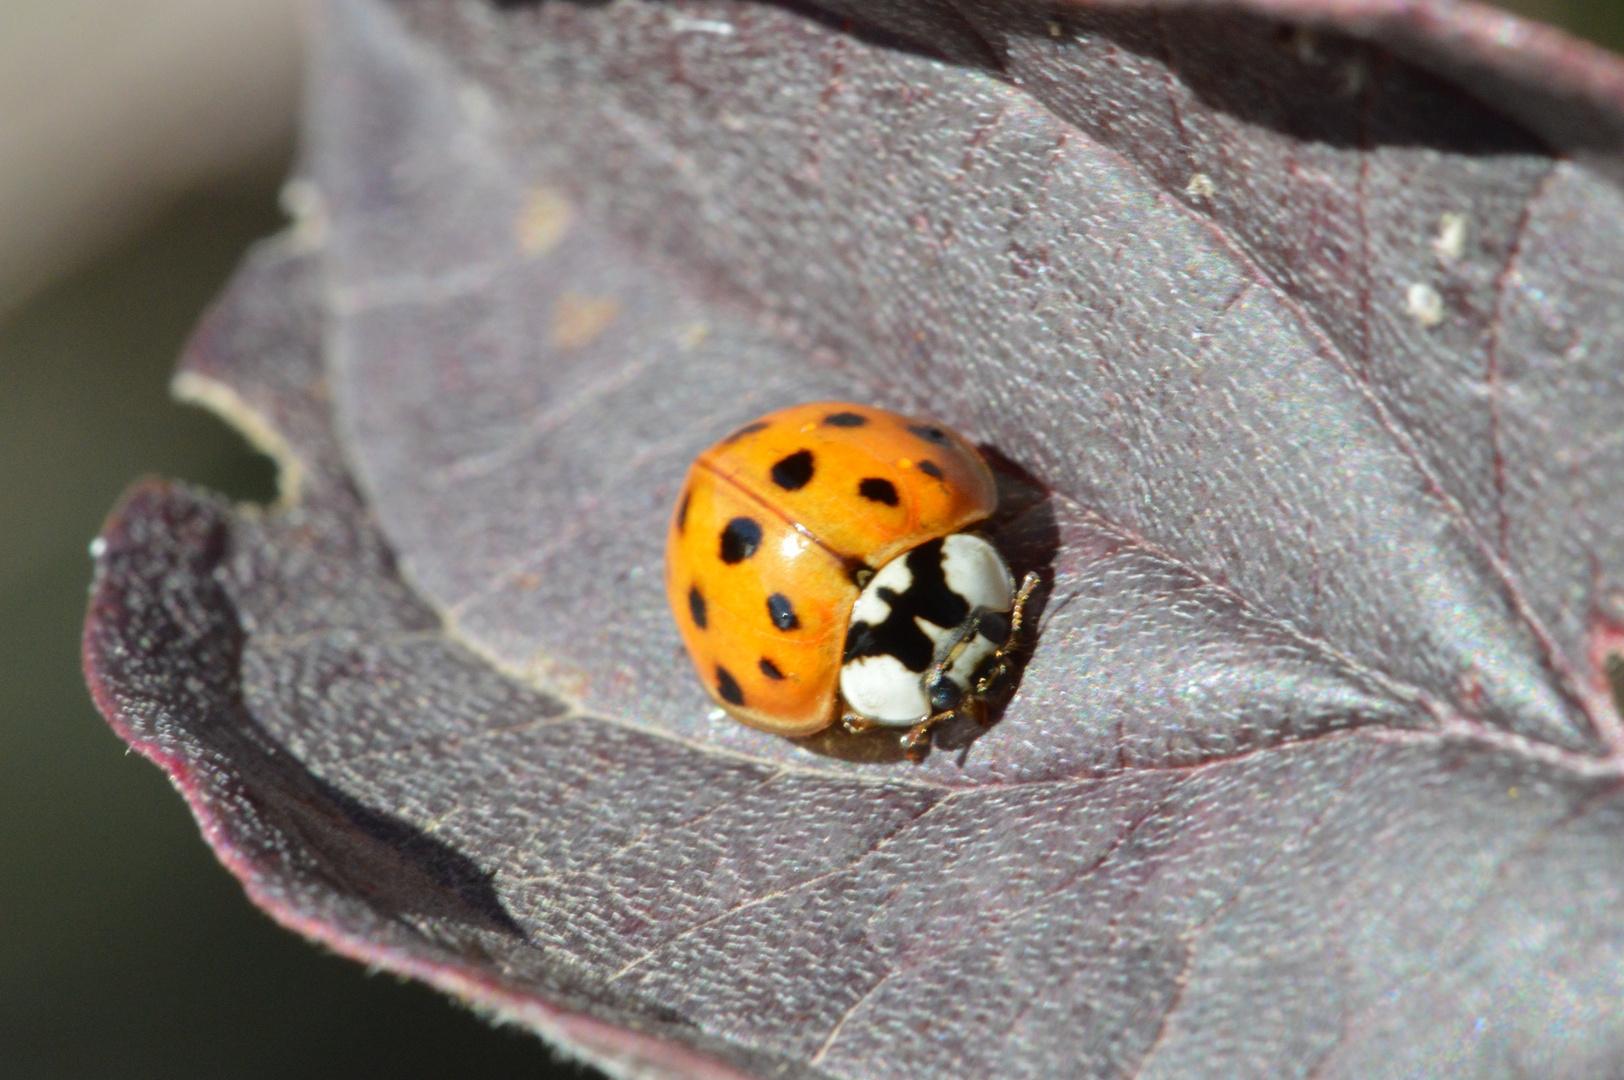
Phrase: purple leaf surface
(1297, 330)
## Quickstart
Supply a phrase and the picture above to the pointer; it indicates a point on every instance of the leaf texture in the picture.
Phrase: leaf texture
(1298, 329)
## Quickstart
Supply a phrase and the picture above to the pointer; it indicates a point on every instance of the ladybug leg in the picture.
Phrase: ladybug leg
(916, 735)
(1028, 583)
(950, 655)
(1018, 610)
(857, 725)
(999, 665)
(972, 703)
(1017, 615)
(994, 671)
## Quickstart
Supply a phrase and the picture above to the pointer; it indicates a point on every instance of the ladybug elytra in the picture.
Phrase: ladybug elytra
(820, 569)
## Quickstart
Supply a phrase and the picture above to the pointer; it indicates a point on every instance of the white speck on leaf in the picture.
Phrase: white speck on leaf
(1451, 239)
(693, 335)
(579, 319)
(543, 220)
(1424, 305)
(1200, 186)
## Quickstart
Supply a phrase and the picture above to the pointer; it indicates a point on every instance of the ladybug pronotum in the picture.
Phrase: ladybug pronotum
(820, 570)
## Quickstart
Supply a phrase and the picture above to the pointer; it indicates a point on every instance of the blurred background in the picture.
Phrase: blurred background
(142, 143)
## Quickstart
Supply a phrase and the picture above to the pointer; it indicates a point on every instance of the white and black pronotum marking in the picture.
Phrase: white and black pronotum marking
(937, 615)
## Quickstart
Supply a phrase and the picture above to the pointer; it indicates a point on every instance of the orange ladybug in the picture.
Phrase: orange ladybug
(819, 570)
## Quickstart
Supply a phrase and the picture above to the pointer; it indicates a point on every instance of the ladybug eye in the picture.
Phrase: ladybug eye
(945, 695)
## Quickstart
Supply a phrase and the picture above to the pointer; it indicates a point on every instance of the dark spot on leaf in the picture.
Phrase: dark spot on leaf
(696, 606)
(877, 490)
(930, 434)
(770, 669)
(793, 472)
(727, 687)
(845, 419)
(740, 538)
(748, 429)
(782, 612)
(930, 469)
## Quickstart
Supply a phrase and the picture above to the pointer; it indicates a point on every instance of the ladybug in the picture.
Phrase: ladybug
(819, 569)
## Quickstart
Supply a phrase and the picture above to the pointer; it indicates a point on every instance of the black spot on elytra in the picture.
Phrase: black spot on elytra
(740, 538)
(931, 434)
(877, 490)
(770, 669)
(696, 606)
(930, 469)
(682, 510)
(727, 687)
(928, 598)
(792, 473)
(845, 419)
(782, 612)
(748, 429)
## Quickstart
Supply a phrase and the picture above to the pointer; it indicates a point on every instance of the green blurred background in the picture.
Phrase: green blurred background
(125, 201)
